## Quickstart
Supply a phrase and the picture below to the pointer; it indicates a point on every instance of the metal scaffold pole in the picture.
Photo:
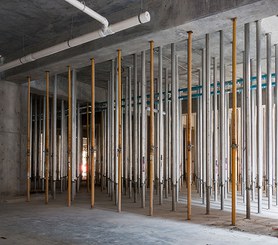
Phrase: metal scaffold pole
(222, 121)
(151, 126)
(143, 129)
(161, 129)
(259, 116)
(269, 120)
(189, 122)
(208, 127)
(93, 147)
(47, 140)
(248, 118)
(29, 125)
(174, 96)
(69, 136)
(120, 130)
(234, 125)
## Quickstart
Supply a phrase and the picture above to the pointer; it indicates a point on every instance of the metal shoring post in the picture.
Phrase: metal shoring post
(204, 129)
(130, 129)
(174, 96)
(47, 140)
(166, 134)
(208, 127)
(69, 136)
(135, 123)
(114, 181)
(222, 120)
(143, 128)
(43, 143)
(151, 177)
(109, 149)
(276, 121)
(54, 136)
(243, 137)
(35, 143)
(93, 126)
(62, 154)
(120, 130)
(79, 147)
(259, 115)
(115, 134)
(269, 119)
(126, 137)
(200, 143)
(253, 135)
(161, 127)
(29, 123)
(177, 130)
(234, 125)
(73, 150)
(215, 130)
(248, 118)
(189, 112)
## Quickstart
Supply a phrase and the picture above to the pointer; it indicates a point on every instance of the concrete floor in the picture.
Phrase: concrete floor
(36, 223)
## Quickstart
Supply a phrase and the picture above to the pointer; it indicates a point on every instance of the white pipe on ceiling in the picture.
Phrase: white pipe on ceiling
(90, 12)
(114, 28)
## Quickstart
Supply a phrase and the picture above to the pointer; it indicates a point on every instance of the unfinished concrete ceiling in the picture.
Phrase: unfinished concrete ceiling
(29, 26)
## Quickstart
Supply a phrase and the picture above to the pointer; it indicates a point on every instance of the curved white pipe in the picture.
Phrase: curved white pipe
(90, 12)
(117, 27)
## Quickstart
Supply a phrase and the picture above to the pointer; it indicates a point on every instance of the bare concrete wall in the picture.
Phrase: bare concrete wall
(12, 138)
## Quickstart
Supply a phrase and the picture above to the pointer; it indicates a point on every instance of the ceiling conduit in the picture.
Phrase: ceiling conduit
(105, 31)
